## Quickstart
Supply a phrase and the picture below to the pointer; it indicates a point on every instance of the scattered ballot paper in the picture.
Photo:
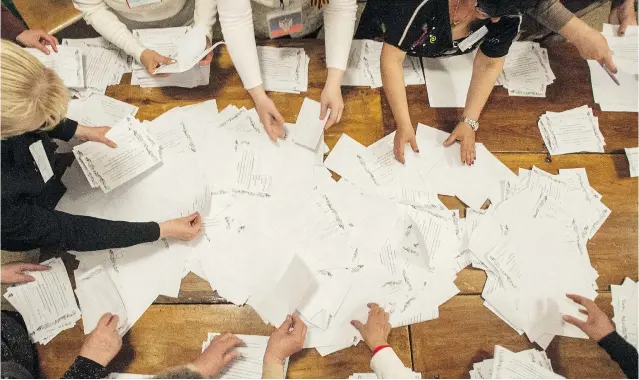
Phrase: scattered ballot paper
(47, 304)
(633, 160)
(107, 167)
(528, 364)
(284, 69)
(250, 362)
(191, 49)
(66, 63)
(572, 131)
(99, 111)
(309, 127)
(624, 304)
(527, 70)
(372, 375)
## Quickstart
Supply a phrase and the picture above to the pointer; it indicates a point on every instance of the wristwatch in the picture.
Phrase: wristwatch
(474, 124)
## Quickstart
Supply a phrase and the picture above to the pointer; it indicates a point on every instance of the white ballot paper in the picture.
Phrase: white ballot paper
(284, 69)
(249, 364)
(624, 304)
(633, 160)
(448, 79)
(99, 111)
(98, 295)
(67, 63)
(532, 357)
(509, 365)
(571, 131)
(309, 127)
(46, 304)
(191, 49)
(372, 375)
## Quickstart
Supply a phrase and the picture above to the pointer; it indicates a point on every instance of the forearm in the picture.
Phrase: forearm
(552, 14)
(334, 77)
(11, 26)
(205, 12)
(339, 26)
(272, 370)
(83, 368)
(621, 352)
(575, 29)
(486, 70)
(393, 83)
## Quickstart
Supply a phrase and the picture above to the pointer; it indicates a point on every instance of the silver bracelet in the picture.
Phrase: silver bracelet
(474, 124)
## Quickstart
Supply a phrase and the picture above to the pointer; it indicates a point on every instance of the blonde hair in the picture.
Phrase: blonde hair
(32, 95)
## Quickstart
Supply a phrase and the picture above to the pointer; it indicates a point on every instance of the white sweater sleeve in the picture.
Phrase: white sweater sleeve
(236, 20)
(387, 365)
(339, 26)
(99, 15)
(205, 15)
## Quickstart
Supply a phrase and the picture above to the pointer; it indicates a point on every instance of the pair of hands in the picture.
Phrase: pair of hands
(284, 342)
(274, 122)
(151, 60)
(462, 133)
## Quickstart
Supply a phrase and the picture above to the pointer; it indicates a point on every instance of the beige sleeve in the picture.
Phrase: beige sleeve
(552, 14)
(272, 371)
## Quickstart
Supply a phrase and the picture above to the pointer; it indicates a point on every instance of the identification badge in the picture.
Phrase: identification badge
(140, 3)
(473, 38)
(284, 22)
(41, 160)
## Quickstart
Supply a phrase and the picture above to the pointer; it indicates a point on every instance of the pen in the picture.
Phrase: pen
(610, 74)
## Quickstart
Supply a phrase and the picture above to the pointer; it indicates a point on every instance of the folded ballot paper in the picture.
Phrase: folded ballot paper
(47, 304)
(527, 364)
(624, 304)
(107, 167)
(633, 160)
(190, 49)
(571, 131)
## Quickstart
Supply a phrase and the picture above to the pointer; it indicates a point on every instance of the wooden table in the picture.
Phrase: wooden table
(171, 331)
(50, 15)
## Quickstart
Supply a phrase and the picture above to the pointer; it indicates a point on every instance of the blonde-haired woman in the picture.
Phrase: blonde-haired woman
(34, 104)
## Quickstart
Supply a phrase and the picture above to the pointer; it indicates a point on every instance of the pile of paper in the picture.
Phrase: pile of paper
(527, 70)
(624, 304)
(66, 63)
(249, 364)
(99, 111)
(527, 364)
(572, 131)
(371, 375)
(533, 249)
(98, 295)
(284, 69)
(183, 43)
(103, 63)
(633, 160)
(107, 167)
(47, 304)
(363, 67)
(610, 96)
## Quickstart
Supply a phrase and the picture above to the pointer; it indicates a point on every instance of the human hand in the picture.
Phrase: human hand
(151, 60)
(332, 98)
(269, 116)
(96, 134)
(209, 57)
(403, 136)
(13, 273)
(464, 134)
(104, 342)
(218, 355)
(286, 340)
(37, 38)
(623, 15)
(597, 326)
(186, 228)
(376, 330)
(593, 45)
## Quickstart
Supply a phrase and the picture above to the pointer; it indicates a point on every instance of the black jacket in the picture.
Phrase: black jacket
(622, 352)
(29, 219)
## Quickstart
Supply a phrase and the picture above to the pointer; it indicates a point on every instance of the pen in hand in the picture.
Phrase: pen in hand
(610, 74)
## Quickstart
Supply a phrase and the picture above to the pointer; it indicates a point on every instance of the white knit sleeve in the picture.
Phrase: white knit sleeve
(99, 15)
(387, 365)
(205, 12)
(339, 26)
(236, 20)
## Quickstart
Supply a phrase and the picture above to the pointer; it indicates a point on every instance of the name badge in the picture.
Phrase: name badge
(473, 38)
(41, 160)
(284, 22)
(140, 3)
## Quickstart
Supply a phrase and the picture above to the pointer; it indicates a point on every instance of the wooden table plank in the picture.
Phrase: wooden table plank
(509, 124)
(50, 15)
(171, 335)
(466, 332)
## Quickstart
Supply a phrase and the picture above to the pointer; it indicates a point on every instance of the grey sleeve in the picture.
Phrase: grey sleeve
(552, 14)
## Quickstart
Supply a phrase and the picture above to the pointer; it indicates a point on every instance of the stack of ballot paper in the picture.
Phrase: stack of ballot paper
(527, 364)
(363, 67)
(107, 167)
(103, 63)
(182, 44)
(66, 63)
(249, 364)
(532, 246)
(47, 304)
(371, 375)
(610, 96)
(572, 131)
(633, 160)
(99, 110)
(527, 70)
(284, 69)
(624, 304)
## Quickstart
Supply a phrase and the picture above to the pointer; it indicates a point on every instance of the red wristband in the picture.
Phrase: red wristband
(379, 348)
